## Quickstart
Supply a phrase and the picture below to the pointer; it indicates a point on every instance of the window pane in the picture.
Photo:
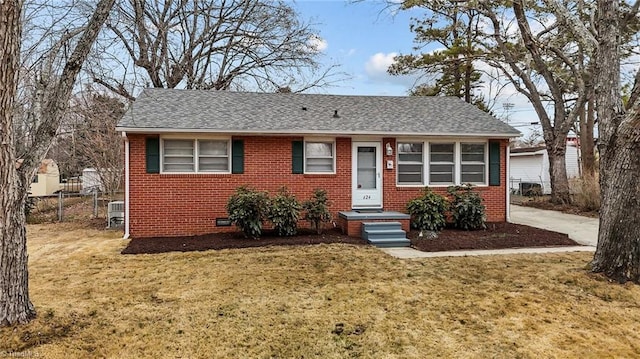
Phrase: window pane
(472, 177)
(410, 167)
(445, 178)
(319, 165)
(178, 147)
(472, 152)
(213, 148)
(178, 156)
(441, 167)
(319, 149)
(445, 157)
(318, 156)
(410, 147)
(442, 152)
(442, 147)
(472, 147)
(410, 178)
(441, 174)
(216, 164)
(410, 157)
(472, 173)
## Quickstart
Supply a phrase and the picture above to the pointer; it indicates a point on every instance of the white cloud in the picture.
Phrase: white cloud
(317, 44)
(378, 64)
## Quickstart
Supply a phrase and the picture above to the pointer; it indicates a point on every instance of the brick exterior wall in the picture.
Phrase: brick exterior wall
(188, 204)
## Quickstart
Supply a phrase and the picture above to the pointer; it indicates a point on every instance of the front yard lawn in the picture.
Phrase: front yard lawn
(320, 301)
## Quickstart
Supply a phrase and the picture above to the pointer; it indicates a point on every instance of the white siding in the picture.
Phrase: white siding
(534, 167)
(527, 168)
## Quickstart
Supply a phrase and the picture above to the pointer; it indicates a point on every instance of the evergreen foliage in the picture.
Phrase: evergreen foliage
(428, 211)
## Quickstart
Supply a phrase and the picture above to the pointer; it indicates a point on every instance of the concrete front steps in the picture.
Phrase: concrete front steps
(385, 234)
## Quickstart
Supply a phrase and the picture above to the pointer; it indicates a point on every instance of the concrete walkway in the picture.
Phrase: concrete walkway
(581, 229)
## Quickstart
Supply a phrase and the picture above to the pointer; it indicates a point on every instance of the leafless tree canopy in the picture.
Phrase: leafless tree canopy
(208, 44)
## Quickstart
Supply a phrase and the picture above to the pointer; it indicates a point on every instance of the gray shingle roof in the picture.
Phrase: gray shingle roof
(164, 110)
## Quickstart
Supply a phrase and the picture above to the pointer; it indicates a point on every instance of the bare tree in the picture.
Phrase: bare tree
(547, 56)
(210, 44)
(618, 251)
(15, 305)
(98, 143)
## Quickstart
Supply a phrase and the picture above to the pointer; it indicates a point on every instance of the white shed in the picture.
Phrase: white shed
(531, 165)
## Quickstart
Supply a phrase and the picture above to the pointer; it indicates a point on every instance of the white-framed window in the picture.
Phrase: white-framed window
(319, 157)
(442, 163)
(410, 163)
(195, 155)
(473, 163)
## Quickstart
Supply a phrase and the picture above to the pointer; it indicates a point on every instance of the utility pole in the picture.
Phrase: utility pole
(507, 106)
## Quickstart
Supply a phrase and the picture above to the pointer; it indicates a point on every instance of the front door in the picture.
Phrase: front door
(367, 175)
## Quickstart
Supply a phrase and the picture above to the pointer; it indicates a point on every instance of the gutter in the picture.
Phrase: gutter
(126, 186)
(301, 132)
(508, 185)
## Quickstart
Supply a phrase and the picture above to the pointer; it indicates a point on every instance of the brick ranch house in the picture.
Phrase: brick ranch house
(186, 151)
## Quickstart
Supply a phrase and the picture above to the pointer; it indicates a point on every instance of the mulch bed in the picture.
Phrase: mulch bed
(496, 236)
(233, 240)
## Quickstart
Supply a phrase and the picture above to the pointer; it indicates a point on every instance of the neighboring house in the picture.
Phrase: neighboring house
(531, 165)
(47, 179)
(186, 151)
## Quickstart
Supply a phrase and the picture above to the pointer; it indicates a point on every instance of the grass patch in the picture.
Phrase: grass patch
(322, 301)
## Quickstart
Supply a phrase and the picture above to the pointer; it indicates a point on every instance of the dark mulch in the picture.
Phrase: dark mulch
(496, 236)
(233, 240)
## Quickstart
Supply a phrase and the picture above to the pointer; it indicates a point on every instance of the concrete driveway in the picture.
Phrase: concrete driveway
(583, 230)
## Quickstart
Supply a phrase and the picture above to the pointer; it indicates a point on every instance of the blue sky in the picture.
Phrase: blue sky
(363, 37)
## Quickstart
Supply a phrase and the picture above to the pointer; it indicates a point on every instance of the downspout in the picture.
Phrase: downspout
(126, 185)
(507, 184)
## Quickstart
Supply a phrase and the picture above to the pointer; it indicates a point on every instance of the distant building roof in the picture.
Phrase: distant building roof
(170, 110)
(528, 149)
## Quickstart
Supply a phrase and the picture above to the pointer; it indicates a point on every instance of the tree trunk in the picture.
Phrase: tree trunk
(587, 143)
(558, 172)
(618, 251)
(15, 306)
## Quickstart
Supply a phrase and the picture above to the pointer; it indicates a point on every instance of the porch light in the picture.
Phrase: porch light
(389, 149)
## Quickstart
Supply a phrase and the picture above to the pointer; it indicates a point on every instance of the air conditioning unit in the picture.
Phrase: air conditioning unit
(115, 214)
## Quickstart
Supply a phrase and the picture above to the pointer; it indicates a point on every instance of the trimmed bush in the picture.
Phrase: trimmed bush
(428, 211)
(466, 208)
(284, 212)
(247, 209)
(317, 209)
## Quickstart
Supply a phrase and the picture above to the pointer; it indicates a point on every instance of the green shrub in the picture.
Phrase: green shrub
(466, 208)
(284, 212)
(247, 209)
(427, 211)
(317, 209)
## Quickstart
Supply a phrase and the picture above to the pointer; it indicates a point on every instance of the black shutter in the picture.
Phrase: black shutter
(153, 154)
(237, 156)
(297, 157)
(494, 163)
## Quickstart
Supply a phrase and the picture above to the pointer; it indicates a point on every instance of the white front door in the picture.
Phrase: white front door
(367, 175)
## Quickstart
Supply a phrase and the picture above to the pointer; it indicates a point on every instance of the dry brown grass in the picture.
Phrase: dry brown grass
(326, 301)
(586, 192)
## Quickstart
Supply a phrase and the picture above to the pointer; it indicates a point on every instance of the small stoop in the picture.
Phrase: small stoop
(385, 234)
